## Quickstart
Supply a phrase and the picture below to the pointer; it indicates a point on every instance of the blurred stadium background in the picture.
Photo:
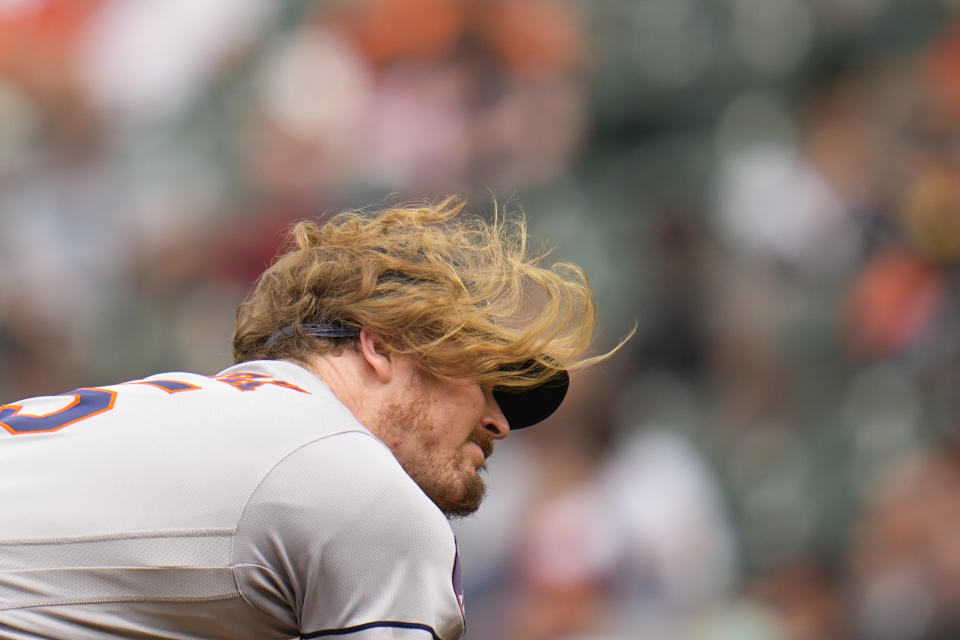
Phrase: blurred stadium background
(770, 188)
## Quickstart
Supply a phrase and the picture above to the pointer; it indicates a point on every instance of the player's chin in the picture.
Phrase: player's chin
(466, 499)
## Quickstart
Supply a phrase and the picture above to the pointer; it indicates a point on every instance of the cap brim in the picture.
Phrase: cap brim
(526, 407)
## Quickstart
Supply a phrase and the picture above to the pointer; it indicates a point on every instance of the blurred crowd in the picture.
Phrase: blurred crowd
(770, 189)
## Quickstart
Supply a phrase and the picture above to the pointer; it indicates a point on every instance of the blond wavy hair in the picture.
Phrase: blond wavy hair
(463, 295)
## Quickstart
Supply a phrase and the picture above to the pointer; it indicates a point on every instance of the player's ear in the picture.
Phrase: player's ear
(377, 355)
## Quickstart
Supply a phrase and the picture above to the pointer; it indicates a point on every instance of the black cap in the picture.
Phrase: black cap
(526, 407)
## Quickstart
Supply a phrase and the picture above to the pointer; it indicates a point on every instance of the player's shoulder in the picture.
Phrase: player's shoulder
(352, 479)
(247, 422)
(355, 467)
(339, 527)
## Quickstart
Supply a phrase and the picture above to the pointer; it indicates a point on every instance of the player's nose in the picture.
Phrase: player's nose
(493, 419)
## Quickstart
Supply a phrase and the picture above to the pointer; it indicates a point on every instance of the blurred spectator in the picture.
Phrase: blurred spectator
(905, 562)
(806, 597)
(608, 543)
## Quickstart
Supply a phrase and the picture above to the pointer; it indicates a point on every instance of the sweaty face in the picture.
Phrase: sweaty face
(441, 432)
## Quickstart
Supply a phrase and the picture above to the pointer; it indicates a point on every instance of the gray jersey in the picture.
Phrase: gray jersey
(251, 504)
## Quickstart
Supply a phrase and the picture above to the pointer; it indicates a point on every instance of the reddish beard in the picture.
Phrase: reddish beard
(456, 492)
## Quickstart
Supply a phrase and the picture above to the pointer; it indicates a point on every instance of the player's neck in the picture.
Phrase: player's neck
(354, 385)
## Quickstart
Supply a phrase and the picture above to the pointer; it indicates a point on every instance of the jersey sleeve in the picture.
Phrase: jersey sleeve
(338, 541)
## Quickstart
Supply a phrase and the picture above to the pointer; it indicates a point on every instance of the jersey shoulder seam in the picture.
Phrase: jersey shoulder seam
(234, 566)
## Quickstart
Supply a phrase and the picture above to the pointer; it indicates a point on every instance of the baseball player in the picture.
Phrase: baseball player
(305, 491)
